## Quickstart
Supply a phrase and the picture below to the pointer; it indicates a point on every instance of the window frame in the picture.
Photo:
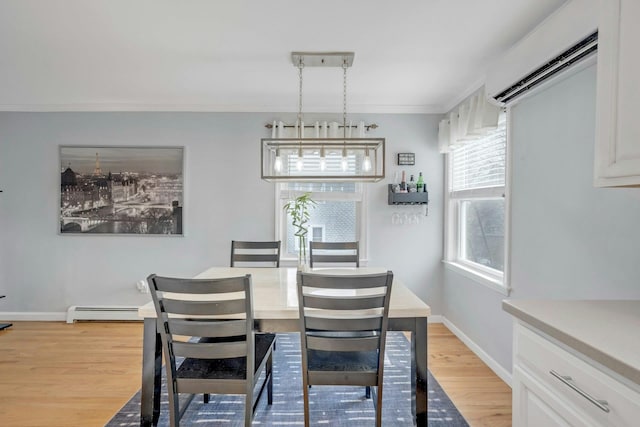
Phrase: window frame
(494, 279)
(282, 196)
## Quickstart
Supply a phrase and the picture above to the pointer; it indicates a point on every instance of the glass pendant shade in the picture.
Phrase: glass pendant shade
(323, 159)
(299, 160)
(366, 163)
(345, 160)
(277, 166)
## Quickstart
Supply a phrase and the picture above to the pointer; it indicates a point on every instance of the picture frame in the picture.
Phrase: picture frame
(406, 159)
(124, 190)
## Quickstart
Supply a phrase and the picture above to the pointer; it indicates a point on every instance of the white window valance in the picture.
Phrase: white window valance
(471, 119)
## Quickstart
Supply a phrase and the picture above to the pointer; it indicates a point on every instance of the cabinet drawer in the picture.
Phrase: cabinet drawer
(536, 405)
(575, 380)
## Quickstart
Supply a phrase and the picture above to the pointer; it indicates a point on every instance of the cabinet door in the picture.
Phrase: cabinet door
(617, 153)
(535, 405)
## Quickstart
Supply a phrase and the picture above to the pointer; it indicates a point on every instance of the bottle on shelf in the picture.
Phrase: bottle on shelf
(403, 184)
(412, 185)
(420, 184)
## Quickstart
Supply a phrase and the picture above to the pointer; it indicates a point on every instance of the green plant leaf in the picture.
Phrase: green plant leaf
(298, 209)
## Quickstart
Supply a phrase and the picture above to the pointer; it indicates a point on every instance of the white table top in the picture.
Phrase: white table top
(275, 295)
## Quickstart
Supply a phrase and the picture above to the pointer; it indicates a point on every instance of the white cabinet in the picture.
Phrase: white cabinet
(552, 386)
(617, 151)
(535, 405)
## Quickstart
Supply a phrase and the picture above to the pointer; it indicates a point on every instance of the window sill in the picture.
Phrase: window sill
(484, 279)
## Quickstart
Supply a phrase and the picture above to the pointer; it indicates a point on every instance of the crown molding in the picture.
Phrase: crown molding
(213, 108)
(471, 89)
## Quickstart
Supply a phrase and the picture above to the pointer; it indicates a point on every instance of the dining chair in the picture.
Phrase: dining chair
(255, 252)
(224, 355)
(343, 328)
(334, 252)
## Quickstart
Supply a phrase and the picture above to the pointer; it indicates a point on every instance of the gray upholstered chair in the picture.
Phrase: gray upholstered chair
(255, 253)
(224, 355)
(343, 325)
(334, 252)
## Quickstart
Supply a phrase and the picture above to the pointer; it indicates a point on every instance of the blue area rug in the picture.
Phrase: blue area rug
(330, 406)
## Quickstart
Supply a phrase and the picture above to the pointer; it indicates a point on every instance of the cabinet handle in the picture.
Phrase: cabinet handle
(568, 381)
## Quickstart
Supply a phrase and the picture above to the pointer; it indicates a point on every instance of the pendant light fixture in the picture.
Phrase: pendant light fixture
(322, 158)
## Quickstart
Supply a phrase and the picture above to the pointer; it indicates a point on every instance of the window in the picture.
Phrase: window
(476, 206)
(317, 233)
(337, 217)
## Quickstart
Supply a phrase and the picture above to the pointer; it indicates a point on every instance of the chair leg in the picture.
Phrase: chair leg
(305, 393)
(268, 383)
(378, 397)
(248, 409)
(206, 398)
(367, 392)
(270, 378)
(174, 407)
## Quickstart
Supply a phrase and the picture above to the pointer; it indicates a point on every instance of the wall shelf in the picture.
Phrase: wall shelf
(421, 198)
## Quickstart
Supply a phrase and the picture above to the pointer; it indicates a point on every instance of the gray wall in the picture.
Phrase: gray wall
(44, 272)
(569, 239)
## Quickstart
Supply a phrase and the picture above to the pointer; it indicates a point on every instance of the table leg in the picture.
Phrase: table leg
(4, 326)
(151, 374)
(419, 372)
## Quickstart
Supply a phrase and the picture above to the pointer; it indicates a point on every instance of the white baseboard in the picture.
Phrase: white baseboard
(33, 316)
(102, 312)
(493, 365)
(436, 318)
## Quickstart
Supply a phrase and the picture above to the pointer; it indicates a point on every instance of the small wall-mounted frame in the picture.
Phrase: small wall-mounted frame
(406, 159)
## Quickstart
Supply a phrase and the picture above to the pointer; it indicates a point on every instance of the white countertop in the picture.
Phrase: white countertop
(607, 331)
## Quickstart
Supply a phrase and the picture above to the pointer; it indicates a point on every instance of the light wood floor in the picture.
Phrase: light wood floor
(56, 374)
(479, 394)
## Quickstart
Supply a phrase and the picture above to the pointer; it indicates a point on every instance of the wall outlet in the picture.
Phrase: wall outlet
(142, 286)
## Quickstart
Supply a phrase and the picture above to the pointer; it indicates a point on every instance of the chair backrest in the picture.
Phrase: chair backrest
(193, 308)
(334, 252)
(255, 252)
(344, 313)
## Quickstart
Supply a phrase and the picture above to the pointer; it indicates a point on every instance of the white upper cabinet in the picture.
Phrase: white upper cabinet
(617, 151)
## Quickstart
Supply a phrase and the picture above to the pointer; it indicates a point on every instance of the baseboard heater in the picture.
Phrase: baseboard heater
(102, 312)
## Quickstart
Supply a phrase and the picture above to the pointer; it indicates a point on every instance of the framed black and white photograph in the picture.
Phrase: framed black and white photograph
(121, 190)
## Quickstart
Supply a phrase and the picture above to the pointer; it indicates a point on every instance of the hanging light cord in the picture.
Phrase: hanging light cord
(300, 67)
(344, 98)
(344, 116)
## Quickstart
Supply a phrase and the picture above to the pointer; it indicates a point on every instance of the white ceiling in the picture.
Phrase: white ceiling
(234, 55)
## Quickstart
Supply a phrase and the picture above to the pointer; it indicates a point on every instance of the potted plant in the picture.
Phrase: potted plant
(298, 209)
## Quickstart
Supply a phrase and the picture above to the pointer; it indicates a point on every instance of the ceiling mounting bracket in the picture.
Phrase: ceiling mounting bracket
(322, 59)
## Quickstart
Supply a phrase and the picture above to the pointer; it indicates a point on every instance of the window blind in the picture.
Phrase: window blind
(333, 164)
(480, 162)
(332, 190)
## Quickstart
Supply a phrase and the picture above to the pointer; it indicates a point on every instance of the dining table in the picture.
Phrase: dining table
(275, 309)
